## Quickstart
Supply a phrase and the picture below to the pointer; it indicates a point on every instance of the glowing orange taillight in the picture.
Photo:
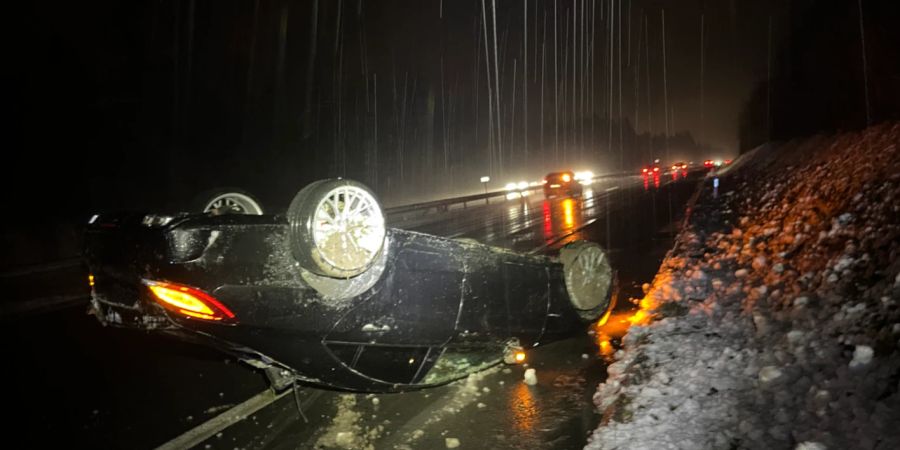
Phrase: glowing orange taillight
(656, 169)
(188, 301)
(566, 178)
(91, 280)
(520, 357)
(644, 170)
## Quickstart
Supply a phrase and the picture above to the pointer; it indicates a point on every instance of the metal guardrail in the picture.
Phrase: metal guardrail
(445, 204)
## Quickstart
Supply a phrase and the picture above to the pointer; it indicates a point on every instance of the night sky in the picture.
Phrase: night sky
(137, 105)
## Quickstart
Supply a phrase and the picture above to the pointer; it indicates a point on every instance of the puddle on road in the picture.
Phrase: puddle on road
(490, 409)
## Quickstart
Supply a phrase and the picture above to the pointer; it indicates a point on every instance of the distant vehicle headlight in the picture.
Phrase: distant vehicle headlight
(510, 186)
(586, 175)
(522, 185)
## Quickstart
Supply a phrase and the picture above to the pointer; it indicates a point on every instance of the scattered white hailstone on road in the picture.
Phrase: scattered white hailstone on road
(769, 374)
(897, 280)
(481, 405)
(833, 278)
(451, 442)
(896, 328)
(740, 273)
(530, 377)
(371, 328)
(486, 390)
(375, 401)
(801, 301)
(810, 446)
(344, 439)
(417, 434)
(862, 356)
(778, 268)
(584, 356)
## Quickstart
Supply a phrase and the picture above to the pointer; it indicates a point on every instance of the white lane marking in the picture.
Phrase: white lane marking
(612, 189)
(213, 426)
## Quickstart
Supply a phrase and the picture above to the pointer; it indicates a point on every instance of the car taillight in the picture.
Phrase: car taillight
(544, 181)
(189, 301)
(656, 169)
(520, 357)
(644, 170)
(566, 178)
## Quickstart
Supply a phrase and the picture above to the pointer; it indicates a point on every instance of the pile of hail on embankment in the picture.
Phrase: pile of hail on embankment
(774, 320)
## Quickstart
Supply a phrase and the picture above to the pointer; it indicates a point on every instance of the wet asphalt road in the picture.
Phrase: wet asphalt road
(76, 383)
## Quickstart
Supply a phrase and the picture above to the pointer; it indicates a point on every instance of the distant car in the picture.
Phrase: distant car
(326, 294)
(561, 183)
(650, 170)
(679, 166)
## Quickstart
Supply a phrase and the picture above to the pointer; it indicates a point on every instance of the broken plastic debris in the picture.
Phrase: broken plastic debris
(344, 439)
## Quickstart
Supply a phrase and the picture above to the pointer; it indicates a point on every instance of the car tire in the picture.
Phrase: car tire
(589, 279)
(227, 200)
(336, 228)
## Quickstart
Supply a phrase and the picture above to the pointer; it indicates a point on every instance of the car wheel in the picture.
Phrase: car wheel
(336, 228)
(589, 278)
(227, 201)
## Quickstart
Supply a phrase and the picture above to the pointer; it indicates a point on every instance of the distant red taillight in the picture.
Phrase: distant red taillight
(189, 301)
(656, 169)
(644, 170)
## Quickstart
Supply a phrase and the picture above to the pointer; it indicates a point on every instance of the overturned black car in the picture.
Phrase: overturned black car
(327, 294)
